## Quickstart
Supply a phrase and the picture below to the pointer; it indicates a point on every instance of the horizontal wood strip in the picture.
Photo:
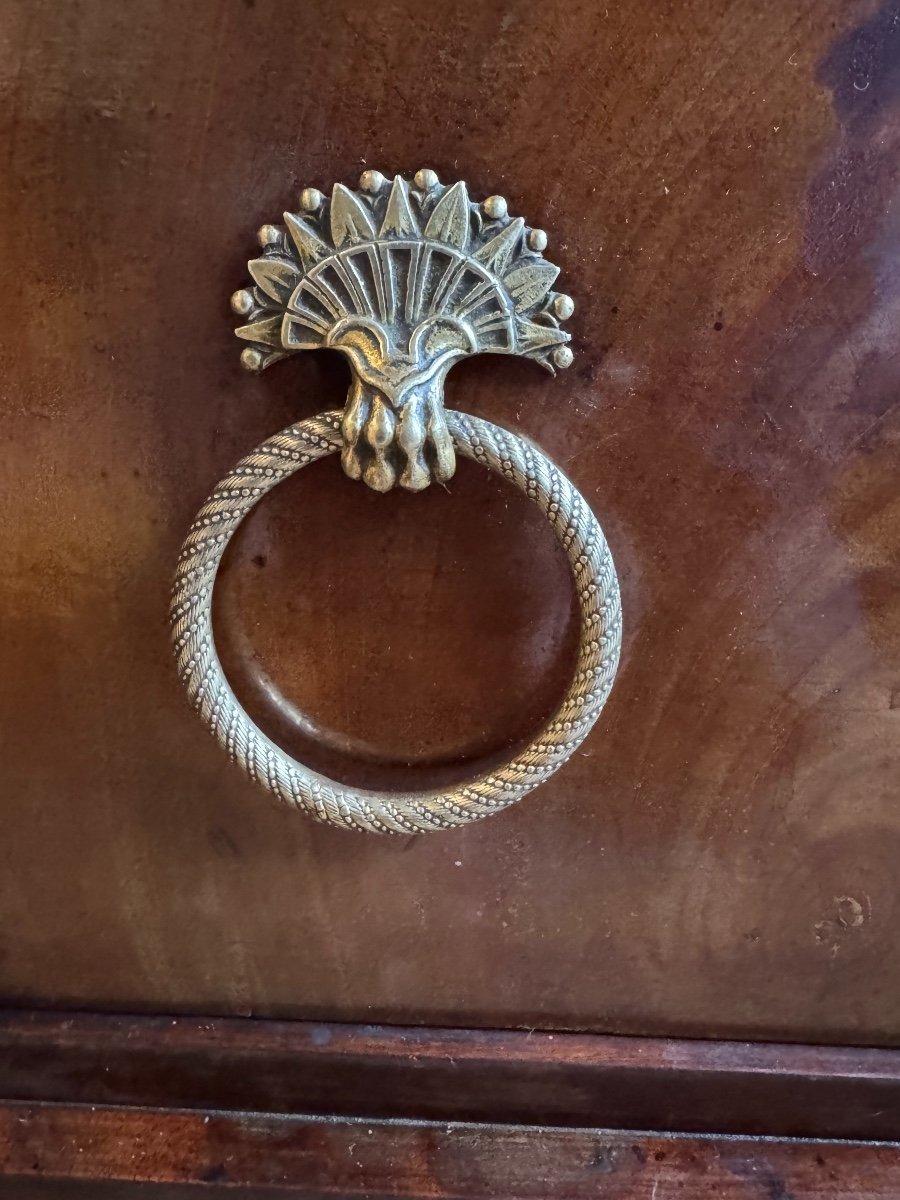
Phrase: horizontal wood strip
(332, 1157)
(451, 1075)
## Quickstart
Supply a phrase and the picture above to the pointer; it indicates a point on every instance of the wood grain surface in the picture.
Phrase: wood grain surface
(309, 1157)
(484, 1076)
(719, 180)
(126, 1108)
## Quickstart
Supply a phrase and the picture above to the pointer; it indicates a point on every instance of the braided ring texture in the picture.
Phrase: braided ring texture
(393, 812)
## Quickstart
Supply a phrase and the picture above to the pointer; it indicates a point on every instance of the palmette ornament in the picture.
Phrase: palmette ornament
(405, 278)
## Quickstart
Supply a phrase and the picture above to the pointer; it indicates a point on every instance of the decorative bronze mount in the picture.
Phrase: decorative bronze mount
(405, 279)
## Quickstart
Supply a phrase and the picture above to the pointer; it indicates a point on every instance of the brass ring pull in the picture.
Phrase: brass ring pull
(405, 280)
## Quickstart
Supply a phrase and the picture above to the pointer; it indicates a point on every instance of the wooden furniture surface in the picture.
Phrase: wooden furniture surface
(391, 1073)
(720, 858)
(186, 1153)
(167, 1108)
(719, 180)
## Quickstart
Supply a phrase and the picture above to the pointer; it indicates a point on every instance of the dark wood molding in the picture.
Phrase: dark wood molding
(181, 1104)
(379, 1072)
(322, 1157)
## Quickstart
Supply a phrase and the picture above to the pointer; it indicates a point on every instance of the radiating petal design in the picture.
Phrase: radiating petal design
(275, 277)
(266, 332)
(398, 217)
(529, 282)
(533, 336)
(350, 220)
(309, 245)
(450, 220)
(431, 277)
(300, 334)
(496, 253)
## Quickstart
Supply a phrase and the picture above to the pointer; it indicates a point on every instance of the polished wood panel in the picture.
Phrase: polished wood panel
(720, 859)
(452, 1075)
(308, 1157)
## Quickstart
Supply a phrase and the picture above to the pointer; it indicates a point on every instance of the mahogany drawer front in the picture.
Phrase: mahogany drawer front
(719, 858)
(711, 878)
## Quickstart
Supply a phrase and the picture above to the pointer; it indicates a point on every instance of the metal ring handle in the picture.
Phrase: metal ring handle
(390, 812)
